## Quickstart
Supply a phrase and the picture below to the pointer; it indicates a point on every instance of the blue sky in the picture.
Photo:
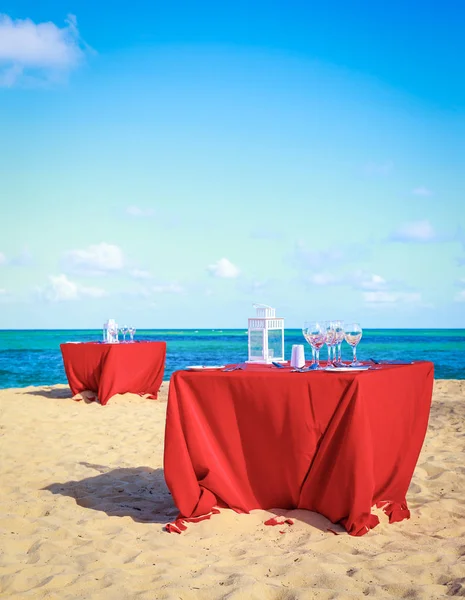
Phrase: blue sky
(170, 164)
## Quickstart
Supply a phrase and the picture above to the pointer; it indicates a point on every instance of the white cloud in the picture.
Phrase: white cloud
(460, 296)
(140, 274)
(390, 298)
(96, 259)
(135, 211)
(422, 191)
(37, 52)
(417, 231)
(3, 260)
(61, 289)
(170, 288)
(223, 268)
(2, 291)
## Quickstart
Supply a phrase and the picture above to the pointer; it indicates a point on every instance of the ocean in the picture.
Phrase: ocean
(34, 357)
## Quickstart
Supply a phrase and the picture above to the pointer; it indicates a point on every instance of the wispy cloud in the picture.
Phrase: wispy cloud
(61, 289)
(38, 53)
(324, 279)
(97, 259)
(140, 274)
(168, 288)
(416, 231)
(381, 168)
(253, 286)
(3, 260)
(5, 296)
(136, 211)
(305, 258)
(223, 268)
(357, 280)
(422, 191)
(460, 296)
(387, 298)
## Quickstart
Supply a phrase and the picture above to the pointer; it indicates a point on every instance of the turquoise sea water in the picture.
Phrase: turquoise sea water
(34, 357)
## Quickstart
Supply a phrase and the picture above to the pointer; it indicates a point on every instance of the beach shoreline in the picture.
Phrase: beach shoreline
(84, 505)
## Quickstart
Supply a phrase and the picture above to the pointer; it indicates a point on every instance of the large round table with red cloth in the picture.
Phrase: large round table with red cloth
(334, 443)
(109, 369)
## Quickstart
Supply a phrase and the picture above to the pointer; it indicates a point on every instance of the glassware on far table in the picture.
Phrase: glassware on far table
(339, 329)
(123, 331)
(353, 335)
(315, 335)
(131, 331)
(112, 334)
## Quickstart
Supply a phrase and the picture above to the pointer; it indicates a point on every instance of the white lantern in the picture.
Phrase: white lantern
(266, 336)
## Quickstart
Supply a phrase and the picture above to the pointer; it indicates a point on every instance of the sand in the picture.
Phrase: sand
(83, 505)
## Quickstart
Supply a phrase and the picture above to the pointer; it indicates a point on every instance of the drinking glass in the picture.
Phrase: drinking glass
(314, 333)
(304, 332)
(353, 335)
(330, 341)
(123, 330)
(131, 331)
(339, 329)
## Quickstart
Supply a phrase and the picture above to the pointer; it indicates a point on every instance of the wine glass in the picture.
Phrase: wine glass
(315, 336)
(339, 329)
(307, 339)
(123, 330)
(131, 331)
(330, 341)
(353, 335)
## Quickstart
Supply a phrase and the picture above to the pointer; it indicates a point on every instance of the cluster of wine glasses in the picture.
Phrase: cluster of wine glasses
(332, 333)
(125, 330)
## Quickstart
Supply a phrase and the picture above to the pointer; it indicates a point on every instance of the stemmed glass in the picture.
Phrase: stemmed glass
(353, 335)
(330, 341)
(123, 330)
(131, 331)
(314, 333)
(307, 339)
(339, 329)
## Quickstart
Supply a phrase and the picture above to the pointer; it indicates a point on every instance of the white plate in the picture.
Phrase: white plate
(205, 367)
(347, 369)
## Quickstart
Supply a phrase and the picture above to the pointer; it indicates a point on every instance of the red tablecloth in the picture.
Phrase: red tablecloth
(109, 369)
(334, 443)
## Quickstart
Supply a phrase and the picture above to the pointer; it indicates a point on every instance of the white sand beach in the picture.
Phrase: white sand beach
(83, 504)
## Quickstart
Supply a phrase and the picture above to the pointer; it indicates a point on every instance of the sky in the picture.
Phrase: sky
(169, 164)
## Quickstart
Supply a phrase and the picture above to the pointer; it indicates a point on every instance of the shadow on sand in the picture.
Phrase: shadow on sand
(139, 493)
(54, 393)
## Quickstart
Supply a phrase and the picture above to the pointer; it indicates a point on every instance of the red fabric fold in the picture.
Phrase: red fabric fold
(396, 511)
(179, 525)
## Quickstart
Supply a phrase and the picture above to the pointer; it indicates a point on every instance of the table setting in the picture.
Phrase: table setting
(103, 369)
(335, 436)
